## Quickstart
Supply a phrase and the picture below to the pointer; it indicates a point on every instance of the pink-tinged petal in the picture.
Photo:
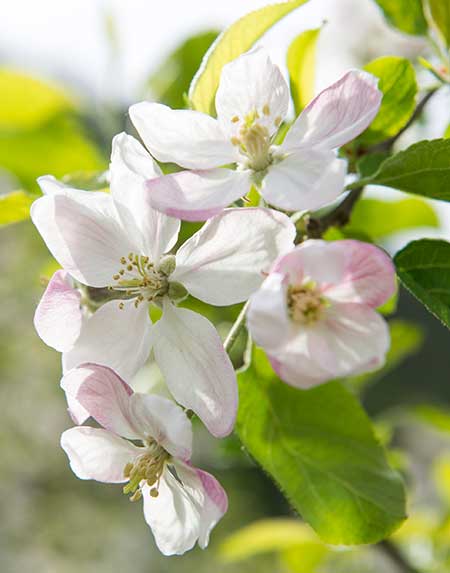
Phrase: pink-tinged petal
(268, 320)
(70, 383)
(97, 454)
(196, 367)
(58, 317)
(228, 258)
(175, 515)
(164, 421)
(338, 114)
(191, 139)
(352, 338)
(251, 84)
(115, 337)
(107, 399)
(214, 507)
(367, 275)
(304, 180)
(88, 244)
(131, 165)
(197, 195)
(98, 200)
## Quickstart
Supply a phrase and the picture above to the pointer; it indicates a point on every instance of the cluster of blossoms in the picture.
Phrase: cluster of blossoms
(312, 306)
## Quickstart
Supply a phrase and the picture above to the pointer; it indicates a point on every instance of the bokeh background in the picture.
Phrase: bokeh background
(68, 72)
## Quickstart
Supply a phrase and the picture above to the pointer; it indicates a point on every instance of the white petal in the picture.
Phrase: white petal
(87, 243)
(338, 114)
(58, 316)
(305, 180)
(226, 261)
(185, 512)
(197, 195)
(164, 421)
(70, 383)
(249, 84)
(106, 397)
(267, 316)
(114, 337)
(197, 369)
(131, 165)
(97, 454)
(189, 138)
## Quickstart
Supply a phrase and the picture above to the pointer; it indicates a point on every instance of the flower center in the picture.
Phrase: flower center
(140, 279)
(147, 467)
(305, 303)
(253, 139)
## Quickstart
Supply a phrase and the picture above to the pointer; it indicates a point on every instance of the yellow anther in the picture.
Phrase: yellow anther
(266, 109)
(305, 303)
(235, 140)
(116, 277)
(129, 267)
(130, 256)
(121, 305)
(235, 119)
(123, 260)
(154, 492)
(277, 121)
(136, 495)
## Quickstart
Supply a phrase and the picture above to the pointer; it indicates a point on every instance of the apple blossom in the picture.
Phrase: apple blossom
(118, 243)
(315, 313)
(302, 173)
(181, 503)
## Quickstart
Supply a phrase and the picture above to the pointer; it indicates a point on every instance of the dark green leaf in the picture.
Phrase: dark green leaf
(319, 446)
(406, 15)
(422, 168)
(233, 42)
(369, 164)
(301, 63)
(397, 81)
(424, 268)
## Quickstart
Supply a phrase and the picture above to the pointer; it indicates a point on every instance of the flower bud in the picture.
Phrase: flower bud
(177, 292)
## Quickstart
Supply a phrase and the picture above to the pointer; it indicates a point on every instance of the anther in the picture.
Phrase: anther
(116, 277)
(266, 109)
(154, 492)
(129, 267)
(277, 121)
(235, 141)
(121, 305)
(123, 260)
(234, 119)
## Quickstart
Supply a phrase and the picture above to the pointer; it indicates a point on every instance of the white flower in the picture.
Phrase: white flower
(118, 242)
(315, 314)
(181, 503)
(303, 173)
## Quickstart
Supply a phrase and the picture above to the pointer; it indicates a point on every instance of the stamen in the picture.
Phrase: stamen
(305, 303)
(148, 468)
(235, 119)
(266, 109)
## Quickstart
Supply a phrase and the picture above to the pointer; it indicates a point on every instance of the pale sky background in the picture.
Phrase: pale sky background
(67, 40)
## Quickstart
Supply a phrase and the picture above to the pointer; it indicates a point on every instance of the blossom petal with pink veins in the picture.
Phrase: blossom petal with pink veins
(267, 316)
(351, 339)
(97, 454)
(164, 421)
(131, 165)
(338, 114)
(114, 337)
(58, 317)
(70, 383)
(227, 259)
(198, 371)
(84, 241)
(189, 138)
(184, 513)
(251, 84)
(197, 195)
(305, 180)
(107, 399)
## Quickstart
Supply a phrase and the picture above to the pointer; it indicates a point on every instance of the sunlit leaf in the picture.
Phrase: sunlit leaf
(301, 63)
(441, 472)
(424, 268)
(440, 14)
(15, 207)
(319, 447)
(397, 81)
(26, 102)
(233, 42)
(435, 416)
(406, 15)
(304, 559)
(422, 169)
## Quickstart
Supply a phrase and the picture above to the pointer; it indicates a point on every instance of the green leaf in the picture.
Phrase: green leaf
(379, 219)
(447, 132)
(301, 63)
(26, 102)
(422, 169)
(435, 416)
(319, 446)
(304, 559)
(370, 163)
(397, 81)
(406, 15)
(406, 340)
(440, 14)
(15, 207)
(424, 268)
(233, 42)
(266, 535)
(170, 82)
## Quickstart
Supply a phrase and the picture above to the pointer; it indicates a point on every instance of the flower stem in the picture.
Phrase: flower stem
(235, 329)
(391, 551)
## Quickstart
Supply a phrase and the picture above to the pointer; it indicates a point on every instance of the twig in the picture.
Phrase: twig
(236, 328)
(391, 551)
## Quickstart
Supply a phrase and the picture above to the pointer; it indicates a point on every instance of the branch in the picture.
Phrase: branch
(391, 551)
